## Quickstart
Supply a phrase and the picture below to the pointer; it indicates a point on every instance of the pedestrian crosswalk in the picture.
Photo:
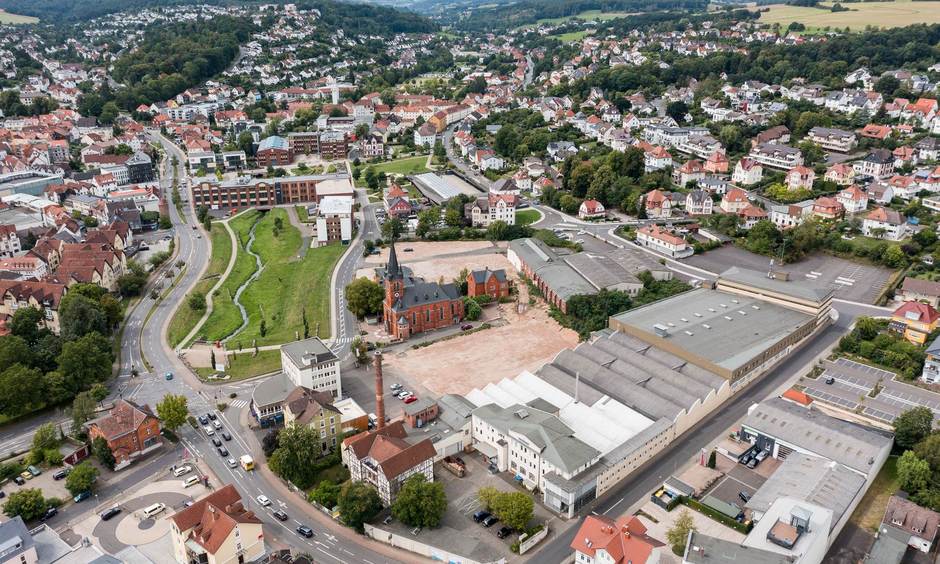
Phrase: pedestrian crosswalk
(239, 403)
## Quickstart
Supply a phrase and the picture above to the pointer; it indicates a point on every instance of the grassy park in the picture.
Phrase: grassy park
(185, 317)
(225, 317)
(410, 165)
(527, 217)
(859, 16)
(289, 287)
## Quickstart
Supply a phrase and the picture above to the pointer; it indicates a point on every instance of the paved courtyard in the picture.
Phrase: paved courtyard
(848, 279)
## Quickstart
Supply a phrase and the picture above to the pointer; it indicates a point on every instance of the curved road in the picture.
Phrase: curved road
(333, 542)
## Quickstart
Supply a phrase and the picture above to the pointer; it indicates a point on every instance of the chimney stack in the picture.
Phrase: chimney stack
(379, 392)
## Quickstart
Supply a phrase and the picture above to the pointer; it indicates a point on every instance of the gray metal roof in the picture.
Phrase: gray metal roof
(455, 410)
(760, 280)
(703, 549)
(728, 330)
(307, 352)
(889, 548)
(601, 271)
(439, 187)
(272, 390)
(14, 539)
(812, 430)
(812, 479)
(693, 372)
(555, 439)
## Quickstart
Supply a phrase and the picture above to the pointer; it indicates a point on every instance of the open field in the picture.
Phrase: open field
(572, 36)
(288, 287)
(225, 317)
(186, 318)
(8, 18)
(595, 15)
(862, 14)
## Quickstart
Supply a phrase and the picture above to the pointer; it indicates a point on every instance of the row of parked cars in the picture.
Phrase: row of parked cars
(487, 519)
(753, 457)
(401, 393)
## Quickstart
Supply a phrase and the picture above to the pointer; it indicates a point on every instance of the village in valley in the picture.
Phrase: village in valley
(550, 281)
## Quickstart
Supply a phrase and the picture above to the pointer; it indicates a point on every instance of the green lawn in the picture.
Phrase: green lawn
(526, 217)
(186, 318)
(870, 511)
(410, 165)
(247, 365)
(225, 317)
(303, 215)
(288, 288)
(571, 36)
(8, 18)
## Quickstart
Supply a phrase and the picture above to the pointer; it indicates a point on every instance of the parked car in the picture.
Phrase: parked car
(209, 430)
(182, 470)
(830, 380)
(203, 420)
(480, 515)
(489, 521)
(263, 500)
(212, 416)
(223, 451)
(81, 497)
(753, 463)
(305, 531)
(19, 480)
(61, 474)
(408, 250)
(226, 436)
(107, 514)
(503, 532)
(761, 456)
(745, 497)
(396, 387)
(217, 424)
(280, 515)
(466, 327)
(26, 475)
(232, 463)
(168, 375)
(49, 514)
(216, 441)
(33, 470)
(411, 399)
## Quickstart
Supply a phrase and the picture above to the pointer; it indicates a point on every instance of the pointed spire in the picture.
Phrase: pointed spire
(392, 270)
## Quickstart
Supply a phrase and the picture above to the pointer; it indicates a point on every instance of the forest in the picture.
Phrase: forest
(510, 15)
(176, 57)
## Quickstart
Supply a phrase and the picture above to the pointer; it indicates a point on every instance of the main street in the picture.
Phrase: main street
(144, 339)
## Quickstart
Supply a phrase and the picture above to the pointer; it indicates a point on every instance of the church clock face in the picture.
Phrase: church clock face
(397, 294)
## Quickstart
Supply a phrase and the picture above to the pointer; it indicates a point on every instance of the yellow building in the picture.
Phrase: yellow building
(217, 529)
(915, 321)
(315, 410)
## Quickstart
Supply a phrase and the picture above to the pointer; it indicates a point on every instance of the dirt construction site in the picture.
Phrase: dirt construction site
(520, 337)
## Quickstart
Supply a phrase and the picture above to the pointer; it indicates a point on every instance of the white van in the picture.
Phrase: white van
(154, 509)
(191, 481)
(209, 430)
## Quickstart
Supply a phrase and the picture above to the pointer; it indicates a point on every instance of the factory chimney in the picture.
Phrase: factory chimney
(379, 392)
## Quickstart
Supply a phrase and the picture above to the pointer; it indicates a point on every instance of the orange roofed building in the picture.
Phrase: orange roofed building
(217, 529)
(603, 540)
(383, 459)
(131, 431)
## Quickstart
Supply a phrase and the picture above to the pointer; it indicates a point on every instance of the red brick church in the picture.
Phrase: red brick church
(413, 305)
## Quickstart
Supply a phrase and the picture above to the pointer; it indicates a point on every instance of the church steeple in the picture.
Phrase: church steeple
(392, 270)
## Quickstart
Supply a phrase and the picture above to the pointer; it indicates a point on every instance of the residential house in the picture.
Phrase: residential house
(397, 203)
(919, 290)
(853, 199)
(663, 241)
(884, 223)
(918, 523)
(828, 208)
(698, 202)
(656, 158)
(315, 410)
(777, 156)
(425, 135)
(130, 430)
(788, 216)
(747, 171)
(691, 171)
(931, 371)
(492, 283)
(914, 320)
(800, 178)
(309, 363)
(778, 134)
(875, 131)
(880, 192)
(750, 215)
(42, 295)
(17, 545)
(717, 163)
(602, 540)
(591, 209)
(831, 139)
(383, 459)
(840, 173)
(217, 529)
(657, 204)
(493, 207)
(734, 201)
(879, 163)
(9, 241)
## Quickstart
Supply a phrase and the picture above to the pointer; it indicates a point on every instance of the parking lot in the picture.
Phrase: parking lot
(458, 533)
(852, 386)
(849, 280)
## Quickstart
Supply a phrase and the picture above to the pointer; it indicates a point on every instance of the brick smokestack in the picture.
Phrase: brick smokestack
(379, 392)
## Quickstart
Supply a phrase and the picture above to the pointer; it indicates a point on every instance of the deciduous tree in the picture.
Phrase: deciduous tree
(912, 426)
(420, 503)
(81, 478)
(364, 297)
(358, 503)
(173, 410)
(678, 535)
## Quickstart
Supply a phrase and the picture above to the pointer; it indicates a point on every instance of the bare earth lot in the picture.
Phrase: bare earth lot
(526, 342)
(850, 280)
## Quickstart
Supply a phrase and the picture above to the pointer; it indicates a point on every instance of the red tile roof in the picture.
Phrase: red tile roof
(916, 311)
(625, 539)
(213, 518)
